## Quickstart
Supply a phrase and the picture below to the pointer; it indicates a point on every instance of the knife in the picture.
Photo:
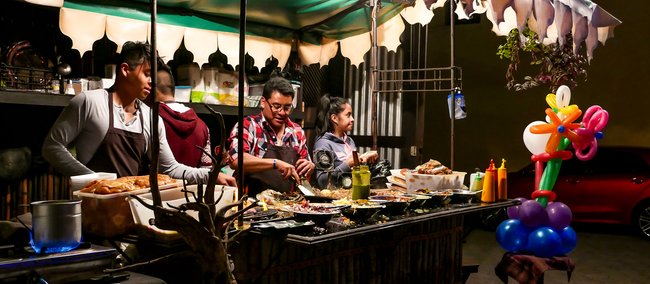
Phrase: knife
(305, 188)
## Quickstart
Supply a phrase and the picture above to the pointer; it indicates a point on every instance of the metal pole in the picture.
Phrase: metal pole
(240, 107)
(374, 56)
(453, 80)
(155, 139)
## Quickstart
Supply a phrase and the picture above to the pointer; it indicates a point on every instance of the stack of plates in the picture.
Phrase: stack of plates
(397, 180)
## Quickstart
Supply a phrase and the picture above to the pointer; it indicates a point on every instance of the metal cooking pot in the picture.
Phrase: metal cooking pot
(56, 225)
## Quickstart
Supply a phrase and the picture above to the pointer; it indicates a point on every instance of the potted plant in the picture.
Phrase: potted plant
(558, 65)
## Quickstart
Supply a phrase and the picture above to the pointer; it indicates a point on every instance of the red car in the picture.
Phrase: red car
(613, 187)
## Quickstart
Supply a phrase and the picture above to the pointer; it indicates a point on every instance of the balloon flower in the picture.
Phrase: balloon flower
(541, 226)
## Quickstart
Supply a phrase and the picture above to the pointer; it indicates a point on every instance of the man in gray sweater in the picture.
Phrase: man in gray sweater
(110, 129)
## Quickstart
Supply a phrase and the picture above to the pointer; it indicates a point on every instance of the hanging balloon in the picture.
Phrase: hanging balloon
(544, 242)
(512, 235)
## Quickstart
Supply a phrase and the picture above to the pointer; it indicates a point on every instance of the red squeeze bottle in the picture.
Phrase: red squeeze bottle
(489, 184)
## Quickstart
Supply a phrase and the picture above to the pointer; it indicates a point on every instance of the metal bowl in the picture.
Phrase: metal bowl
(465, 196)
(362, 212)
(419, 201)
(395, 205)
(440, 198)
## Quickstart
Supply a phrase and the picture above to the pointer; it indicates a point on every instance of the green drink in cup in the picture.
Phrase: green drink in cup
(360, 182)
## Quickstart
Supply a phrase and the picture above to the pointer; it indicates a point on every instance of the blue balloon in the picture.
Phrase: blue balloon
(569, 240)
(544, 242)
(512, 235)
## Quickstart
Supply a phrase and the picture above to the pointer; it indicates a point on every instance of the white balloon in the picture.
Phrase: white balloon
(535, 143)
(563, 96)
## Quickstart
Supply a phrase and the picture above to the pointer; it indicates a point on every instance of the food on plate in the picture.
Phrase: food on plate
(433, 167)
(272, 197)
(333, 193)
(308, 208)
(124, 184)
(434, 192)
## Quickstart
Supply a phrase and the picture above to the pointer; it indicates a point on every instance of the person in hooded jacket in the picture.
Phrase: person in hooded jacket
(183, 126)
(333, 124)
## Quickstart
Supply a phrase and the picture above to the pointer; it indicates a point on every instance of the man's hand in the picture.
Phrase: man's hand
(225, 179)
(304, 167)
(287, 170)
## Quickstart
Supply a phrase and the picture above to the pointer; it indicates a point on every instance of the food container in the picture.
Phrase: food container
(415, 181)
(182, 94)
(106, 215)
(109, 215)
(80, 181)
(175, 197)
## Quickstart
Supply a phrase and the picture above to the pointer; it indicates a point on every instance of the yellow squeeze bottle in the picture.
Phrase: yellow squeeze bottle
(489, 194)
(502, 181)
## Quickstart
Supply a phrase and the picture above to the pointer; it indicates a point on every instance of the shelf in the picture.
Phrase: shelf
(43, 99)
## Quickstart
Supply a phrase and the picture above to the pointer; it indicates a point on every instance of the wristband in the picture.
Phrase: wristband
(274, 164)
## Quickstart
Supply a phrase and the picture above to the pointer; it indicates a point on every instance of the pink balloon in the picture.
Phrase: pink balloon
(594, 122)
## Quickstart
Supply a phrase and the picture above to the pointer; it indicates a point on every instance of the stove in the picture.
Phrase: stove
(22, 265)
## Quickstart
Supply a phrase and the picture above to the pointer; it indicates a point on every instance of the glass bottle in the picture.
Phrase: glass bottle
(360, 182)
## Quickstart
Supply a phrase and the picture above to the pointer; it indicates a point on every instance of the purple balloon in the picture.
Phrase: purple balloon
(512, 235)
(544, 242)
(513, 211)
(569, 240)
(531, 213)
(559, 215)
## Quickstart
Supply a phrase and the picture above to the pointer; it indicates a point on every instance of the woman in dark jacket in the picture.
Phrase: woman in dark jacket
(335, 121)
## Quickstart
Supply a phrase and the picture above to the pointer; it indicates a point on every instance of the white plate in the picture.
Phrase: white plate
(396, 181)
(397, 173)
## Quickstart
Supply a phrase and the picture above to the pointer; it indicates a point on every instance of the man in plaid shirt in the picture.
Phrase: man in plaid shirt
(275, 148)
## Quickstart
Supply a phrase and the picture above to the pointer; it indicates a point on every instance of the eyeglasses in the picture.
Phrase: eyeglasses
(279, 107)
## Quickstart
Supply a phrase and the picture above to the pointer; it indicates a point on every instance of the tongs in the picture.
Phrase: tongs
(304, 187)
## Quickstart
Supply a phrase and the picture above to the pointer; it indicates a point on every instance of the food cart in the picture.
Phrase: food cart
(436, 240)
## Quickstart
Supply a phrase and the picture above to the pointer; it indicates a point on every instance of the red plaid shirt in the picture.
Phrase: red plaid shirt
(258, 132)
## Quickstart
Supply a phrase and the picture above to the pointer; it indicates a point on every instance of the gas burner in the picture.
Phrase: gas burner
(22, 264)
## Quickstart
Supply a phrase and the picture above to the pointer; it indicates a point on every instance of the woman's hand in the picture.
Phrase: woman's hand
(369, 157)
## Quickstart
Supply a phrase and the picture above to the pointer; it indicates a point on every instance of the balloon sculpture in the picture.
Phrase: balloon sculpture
(540, 225)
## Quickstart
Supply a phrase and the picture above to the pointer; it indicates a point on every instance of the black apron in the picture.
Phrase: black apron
(122, 152)
(272, 179)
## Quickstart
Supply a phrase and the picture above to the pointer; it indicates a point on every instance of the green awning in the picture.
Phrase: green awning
(307, 20)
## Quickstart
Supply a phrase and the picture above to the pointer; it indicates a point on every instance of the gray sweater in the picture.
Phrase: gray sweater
(336, 145)
(84, 123)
